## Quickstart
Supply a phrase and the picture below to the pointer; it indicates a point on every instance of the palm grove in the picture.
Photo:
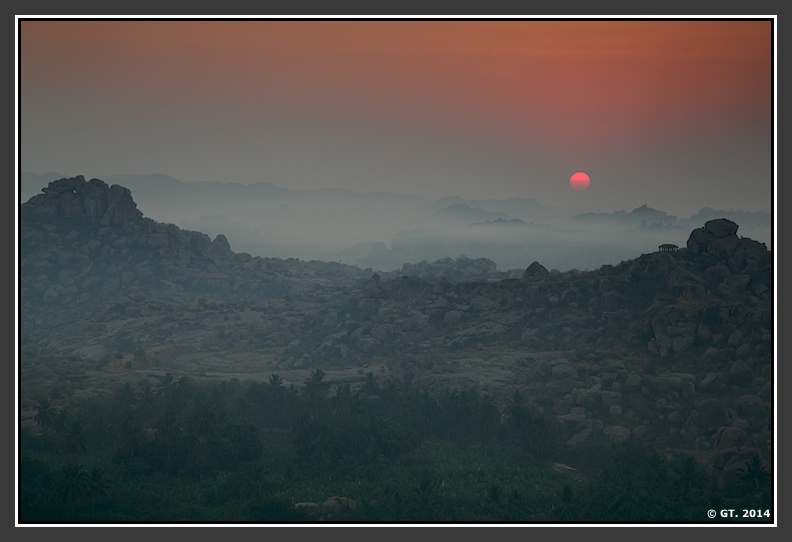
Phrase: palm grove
(172, 450)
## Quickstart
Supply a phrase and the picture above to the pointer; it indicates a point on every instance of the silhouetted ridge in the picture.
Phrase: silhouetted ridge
(75, 198)
(104, 250)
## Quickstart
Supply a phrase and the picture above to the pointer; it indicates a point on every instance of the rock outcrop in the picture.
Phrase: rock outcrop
(85, 246)
(536, 271)
(719, 238)
(77, 199)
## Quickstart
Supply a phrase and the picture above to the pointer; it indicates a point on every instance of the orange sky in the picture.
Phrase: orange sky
(584, 92)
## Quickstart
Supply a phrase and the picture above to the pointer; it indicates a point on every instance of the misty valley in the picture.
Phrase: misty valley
(232, 354)
(384, 231)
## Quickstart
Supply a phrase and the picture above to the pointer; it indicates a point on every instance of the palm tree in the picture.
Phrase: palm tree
(46, 414)
(97, 486)
(168, 435)
(372, 463)
(205, 418)
(689, 476)
(424, 496)
(200, 457)
(426, 410)
(126, 395)
(132, 438)
(315, 385)
(342, 397)
(516, 415)
(493, 504)
(462, 411)
(275, 381)
(530, 428)
(369, 387)
(71, 485)
(315, 393)
(567, 507)
(357, 405)
(488, 418)
(756, 479)
(74, 439)
(257, 483)
(62, 420)
(166, 385)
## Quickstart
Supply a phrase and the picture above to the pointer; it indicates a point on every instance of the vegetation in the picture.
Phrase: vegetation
(172, 451)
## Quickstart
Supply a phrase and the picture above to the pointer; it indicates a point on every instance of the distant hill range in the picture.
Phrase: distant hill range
(646, 217)
(386, 231)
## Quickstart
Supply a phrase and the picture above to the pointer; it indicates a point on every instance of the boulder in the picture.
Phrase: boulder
(536, 271)
(729, 437)
(713, 413)
(730, 464)
(721, 227)
(698, 240)
(753, 409)
(337, 507)
(617, 433)
(718, 236)
(740, 373)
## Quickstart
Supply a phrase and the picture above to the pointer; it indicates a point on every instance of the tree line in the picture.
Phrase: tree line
(174, 450)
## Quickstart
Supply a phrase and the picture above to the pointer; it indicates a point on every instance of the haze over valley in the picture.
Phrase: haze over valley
(384, 231)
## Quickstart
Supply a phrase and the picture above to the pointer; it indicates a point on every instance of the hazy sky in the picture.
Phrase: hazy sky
(675, 114)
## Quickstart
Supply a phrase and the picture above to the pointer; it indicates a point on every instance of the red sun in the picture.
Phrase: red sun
(579, 180)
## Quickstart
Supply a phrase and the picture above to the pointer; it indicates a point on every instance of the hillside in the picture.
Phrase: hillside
(674, 348)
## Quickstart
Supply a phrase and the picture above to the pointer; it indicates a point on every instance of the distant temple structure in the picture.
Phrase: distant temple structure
(668, 247)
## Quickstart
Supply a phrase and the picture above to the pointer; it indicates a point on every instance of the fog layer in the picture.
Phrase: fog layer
(384, 231)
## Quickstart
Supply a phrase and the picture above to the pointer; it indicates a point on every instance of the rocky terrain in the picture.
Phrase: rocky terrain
(674, 346)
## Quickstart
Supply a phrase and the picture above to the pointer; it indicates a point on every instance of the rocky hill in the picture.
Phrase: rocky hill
(85, 245)
(674, 346)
